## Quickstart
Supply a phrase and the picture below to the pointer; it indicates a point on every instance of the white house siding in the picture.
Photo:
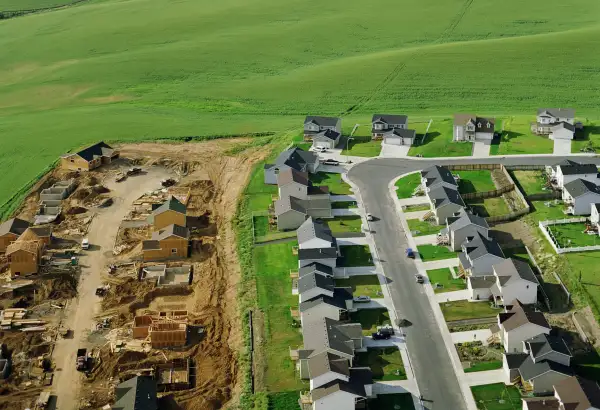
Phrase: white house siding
(314, 243)
(513, 340)
(293, 189)
(458, 237)
(339, 400)
(484, 136)
(482, 266)
(445, 212)
(313, 293)
(583, 204)
(545, 382)
(523, 290)
(319, 312)
(398, 141)
(326, 378)
(324, 143)
(595, 218)
(328, 262)
(478, 294)
(562, 180)
(290, 220)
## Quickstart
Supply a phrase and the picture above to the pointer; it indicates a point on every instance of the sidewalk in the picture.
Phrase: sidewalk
(394, 151)
(452, 296)
(415, 200)
(346, 212)
(357, 240)
(481, 149)
(472, 336)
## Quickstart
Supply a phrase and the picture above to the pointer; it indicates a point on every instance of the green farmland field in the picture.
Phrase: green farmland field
(11, 5)
(203, 68)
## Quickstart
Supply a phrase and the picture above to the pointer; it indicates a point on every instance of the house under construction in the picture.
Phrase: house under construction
(174, 375)
(164, 329)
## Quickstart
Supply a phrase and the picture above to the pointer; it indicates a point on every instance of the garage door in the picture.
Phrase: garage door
(392, 141)
(322, 144)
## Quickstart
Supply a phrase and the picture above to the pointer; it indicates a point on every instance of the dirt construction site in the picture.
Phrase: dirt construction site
(176, 321)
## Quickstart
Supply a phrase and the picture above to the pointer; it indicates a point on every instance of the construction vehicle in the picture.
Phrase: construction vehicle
(81, 363)
(134, 171)
(120, 177)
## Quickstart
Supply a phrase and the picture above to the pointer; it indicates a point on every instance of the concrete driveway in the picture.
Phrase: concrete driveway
(481, 149)
(562, 147)
(395, 151)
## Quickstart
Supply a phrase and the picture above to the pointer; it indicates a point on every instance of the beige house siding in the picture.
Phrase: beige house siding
(170, 248)
(76, 163)
(6, 239)
(23, 263)
(167, 218)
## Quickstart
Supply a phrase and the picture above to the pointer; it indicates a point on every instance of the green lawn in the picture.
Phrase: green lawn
(355, 255)
(479, 357)
(303, 145)
(11, 5)
(475, 181)
(385, 363)
(334, 181)
(444, 278)
(402, 401)
(483, 366)
(361, 147)
(345, 224)
(581, 270)
(497, 396)
(548, 210)
(517, 138)
(423, 227)
(369, 319)
(272, 264)
(463, 309)
(434, 253)
(416, 208)
(287, 400)
(344, 205)
(367, 285)
(572, 235)
(532, 182)
(438, 142)
(591, 137)
(488, 206)
(406, 185)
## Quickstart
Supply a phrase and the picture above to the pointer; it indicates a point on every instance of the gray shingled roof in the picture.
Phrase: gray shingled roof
(544, 344)
(290, 175)
(340, 296)
(557, 112)
(318, 253)
(97, 150)
(515, 267)
(564, 125)
(520, 314)
(311, 229)
(481, 282)
(315, 280)
(530, 370)
(359, 377)
(480, 246)
(542, 403)
(295, 158)
(172, 204)
(324, 334)
(138, 393)
(171, 230)
(467, 218)
(321, 121)
(15, 226)
(400, 133)
(578, 393)
(515, 360)
(569, 167)
(288, 203)
(442, 196)
(482, 124)
(390, 119)
(328, 135)
(581, 187)
(437, 174)
(315, 267)
(326, 362)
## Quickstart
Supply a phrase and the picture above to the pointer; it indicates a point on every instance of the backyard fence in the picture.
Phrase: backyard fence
(268, 236)
(545, 196)
(489, 194)
(539, 272)
(525, 167)
(473, 167)
(508, 217)
(554, 243)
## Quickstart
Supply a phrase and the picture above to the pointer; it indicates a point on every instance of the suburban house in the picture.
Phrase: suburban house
(10, 231)
(461, 226)
(479, 254)
(595, 216)
(171, 242)
(512, 279)
(171, 212)
(577, 393)
(315, 284)
(314, 125)
(326, 139)
(137, 393)
(340, 393)
(436, 176)
(333, 307)
(317, 268)
(400, 136)
(469, 127)
(297, 184)
(42, 234)
(549, 117)
(547, 363)
(562, 131)
(312, 234)
(579, 195)
(294, 158)
(25, 253)
(383, 123)
(323, 256)
(517, 324)
(89, 158)
(445, 202)
(568, 171)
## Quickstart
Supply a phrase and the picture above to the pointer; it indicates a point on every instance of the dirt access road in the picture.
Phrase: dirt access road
(82, 310)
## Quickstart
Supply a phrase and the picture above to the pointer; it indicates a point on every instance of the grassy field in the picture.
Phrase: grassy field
(178, 71)
(423, 227)
(475, 181)
(385, 363)
(497, 396)
(337, 186)
(355, 255)
(345, 224)
(591, 135)
(434, 253)
(463, 309)
(369, 319)
(416, 208)
(367, 285)
(517, 138)
(407, 184)
(10, 5)
(571, 235)
(532, 182)
(361, 147)
(446, 280)
(488, 206)
(438, 142)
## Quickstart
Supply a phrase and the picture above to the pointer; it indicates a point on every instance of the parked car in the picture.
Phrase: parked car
(321, 149)
(419, 278)
(370, 217)
(331, 162)
(362, 299)
(85, 243)
(383, 333)
(410, 253)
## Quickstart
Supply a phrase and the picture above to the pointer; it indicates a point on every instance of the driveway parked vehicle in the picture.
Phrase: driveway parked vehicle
(362, 299)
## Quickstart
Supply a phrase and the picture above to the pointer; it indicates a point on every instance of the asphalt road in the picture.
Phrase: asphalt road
(433, 370)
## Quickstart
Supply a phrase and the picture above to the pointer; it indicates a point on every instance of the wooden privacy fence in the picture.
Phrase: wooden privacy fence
(508, 217)
(524, 167)
(545, 196)
(473, 167)
(489, 194)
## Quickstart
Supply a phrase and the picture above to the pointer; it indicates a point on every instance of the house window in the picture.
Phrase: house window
(478, 125)
(276, 171)
(173, 251)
